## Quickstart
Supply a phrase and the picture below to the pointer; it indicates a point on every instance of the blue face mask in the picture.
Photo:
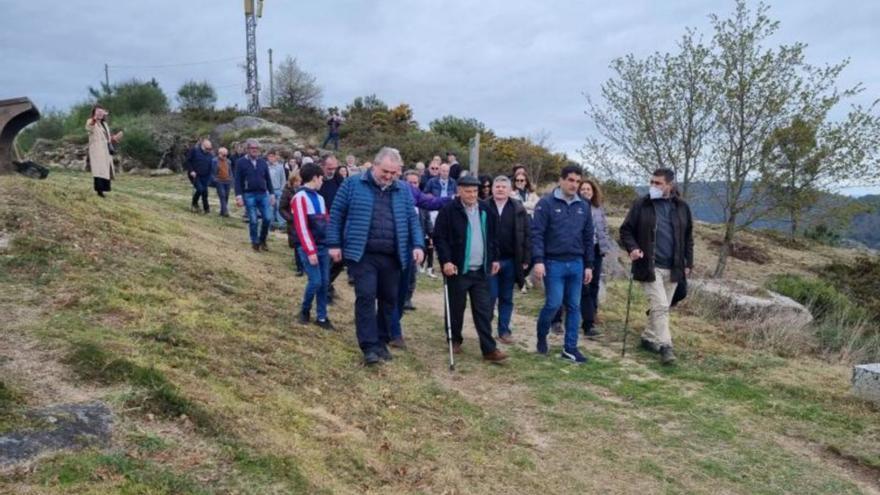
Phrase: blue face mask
(655, 192)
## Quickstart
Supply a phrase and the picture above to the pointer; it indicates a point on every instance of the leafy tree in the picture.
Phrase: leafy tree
(194, 95)
(760, 90)
(132, 97)
(461, 129)
(295, 88)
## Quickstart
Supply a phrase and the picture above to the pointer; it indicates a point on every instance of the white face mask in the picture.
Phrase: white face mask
(655, 192)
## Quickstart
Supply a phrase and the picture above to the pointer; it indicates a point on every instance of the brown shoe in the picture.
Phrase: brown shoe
(398, 343)
(264, 246)
(506, 338)
(456, 348)
(495, 356)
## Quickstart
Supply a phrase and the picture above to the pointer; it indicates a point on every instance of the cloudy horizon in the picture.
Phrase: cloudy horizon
(521, 68)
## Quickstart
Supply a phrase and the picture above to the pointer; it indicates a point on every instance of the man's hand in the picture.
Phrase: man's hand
(496, 267)
(335, 254)
(588, 276)
(313, 259)
(538, 271)
(239, 202)
(192, 174)
(418, 256)
(636, 254)
(117, 137)
(449, 269)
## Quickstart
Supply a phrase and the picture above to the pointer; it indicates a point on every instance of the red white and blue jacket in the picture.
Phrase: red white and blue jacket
(310, 219)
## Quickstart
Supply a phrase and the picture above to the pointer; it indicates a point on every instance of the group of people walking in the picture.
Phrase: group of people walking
(488, 235)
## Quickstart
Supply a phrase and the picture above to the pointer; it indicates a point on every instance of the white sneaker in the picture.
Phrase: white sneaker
(431, 273)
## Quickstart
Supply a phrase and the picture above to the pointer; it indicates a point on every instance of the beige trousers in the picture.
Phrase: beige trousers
(659, 293)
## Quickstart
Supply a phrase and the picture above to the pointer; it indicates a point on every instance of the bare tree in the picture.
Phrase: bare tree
(295, 87)
(654, 113)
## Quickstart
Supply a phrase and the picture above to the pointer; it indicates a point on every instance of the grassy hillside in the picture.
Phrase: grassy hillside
(190, 337)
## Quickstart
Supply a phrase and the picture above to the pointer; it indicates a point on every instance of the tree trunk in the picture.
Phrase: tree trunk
(726, 247)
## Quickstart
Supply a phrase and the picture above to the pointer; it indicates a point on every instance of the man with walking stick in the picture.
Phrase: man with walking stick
(464, 236)
(658, 235)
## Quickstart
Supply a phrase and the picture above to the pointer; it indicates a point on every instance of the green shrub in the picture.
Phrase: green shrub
(138, 144)
(860, 281)
(132, 97)
(50, 126)
(75, 119)
(823, 299)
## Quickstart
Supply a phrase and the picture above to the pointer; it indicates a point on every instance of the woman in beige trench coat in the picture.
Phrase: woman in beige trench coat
(100, 159)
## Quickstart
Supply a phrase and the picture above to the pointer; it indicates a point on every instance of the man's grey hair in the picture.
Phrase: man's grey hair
(411, 172)
(501, 179)
(252, 142)
(389, 153)
(298, 154)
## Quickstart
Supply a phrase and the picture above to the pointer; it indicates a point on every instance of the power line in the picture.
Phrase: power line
(182, 64)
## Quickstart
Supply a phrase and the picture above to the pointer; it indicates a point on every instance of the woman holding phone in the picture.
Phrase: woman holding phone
(102, 147)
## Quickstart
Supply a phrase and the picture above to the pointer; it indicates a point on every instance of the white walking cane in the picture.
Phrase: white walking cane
(448, 318)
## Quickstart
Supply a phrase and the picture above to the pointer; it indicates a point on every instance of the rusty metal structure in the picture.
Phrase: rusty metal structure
(15, 115)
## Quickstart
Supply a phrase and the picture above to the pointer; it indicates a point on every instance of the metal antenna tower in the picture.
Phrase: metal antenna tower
(253, 82)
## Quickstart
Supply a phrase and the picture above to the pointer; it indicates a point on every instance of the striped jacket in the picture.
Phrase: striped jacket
(310, 219)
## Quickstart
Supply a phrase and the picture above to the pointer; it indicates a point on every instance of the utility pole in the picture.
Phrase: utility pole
(271, 82)
(253, 82)
(107, 75)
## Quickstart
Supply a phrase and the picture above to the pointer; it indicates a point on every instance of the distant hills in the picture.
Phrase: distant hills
(863, 229)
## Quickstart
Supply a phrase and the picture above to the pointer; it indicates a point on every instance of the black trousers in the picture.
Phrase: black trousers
(377, 282)
(476, 285)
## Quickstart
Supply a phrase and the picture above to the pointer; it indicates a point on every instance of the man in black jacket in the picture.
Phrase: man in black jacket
(658, 234)
(200, 165)
(465, 240)
(514, 251)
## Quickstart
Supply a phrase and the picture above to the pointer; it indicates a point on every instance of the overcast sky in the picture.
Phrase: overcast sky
(520, 67)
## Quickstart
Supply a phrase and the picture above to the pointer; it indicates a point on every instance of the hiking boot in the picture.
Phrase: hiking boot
(371, 358)
(264, 246)
(495, 356)
(649, 346)
(666, 355)
(456, 348)
(556, 328)
(256, 247)
(542, 345)
(384, 353)
(325, 324)
(592, 333)
(506, 338)
(303, 318)
(398, 343)
(573, 355)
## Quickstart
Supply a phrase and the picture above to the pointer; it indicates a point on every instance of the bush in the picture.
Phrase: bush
(50, 126)
(194, 95)
(860, 281)
(138, 142)
(133, 97)
(822, 298)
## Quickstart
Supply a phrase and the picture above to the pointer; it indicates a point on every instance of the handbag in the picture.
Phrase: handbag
(111, 149)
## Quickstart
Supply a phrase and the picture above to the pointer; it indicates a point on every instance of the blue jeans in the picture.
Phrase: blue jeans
(332, 136)
(252, 203)
(276, 217)
(501, 287)
(562, 283)
(223, 194)
(319, 281)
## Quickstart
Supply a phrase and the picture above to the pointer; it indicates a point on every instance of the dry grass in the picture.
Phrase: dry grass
(288, 409)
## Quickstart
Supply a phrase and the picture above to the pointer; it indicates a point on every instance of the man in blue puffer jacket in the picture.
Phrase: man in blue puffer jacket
(375, 228)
